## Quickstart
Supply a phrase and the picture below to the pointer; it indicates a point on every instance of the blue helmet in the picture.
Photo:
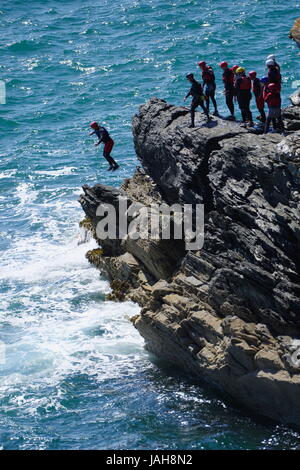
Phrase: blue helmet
(264, 79)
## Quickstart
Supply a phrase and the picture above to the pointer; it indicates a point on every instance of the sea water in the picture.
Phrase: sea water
(73, 371)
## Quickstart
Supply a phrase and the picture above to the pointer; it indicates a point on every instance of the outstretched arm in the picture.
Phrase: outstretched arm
(99, 142)
(189, 93)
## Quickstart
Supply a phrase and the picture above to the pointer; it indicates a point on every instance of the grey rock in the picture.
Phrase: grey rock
(229, 312)
(295, 98)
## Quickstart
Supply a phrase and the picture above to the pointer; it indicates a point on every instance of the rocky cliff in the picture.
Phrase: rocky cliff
(228, 313)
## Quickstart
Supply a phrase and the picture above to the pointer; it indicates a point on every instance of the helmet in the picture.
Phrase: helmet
(240, 70)
(252, 74)
(234, 68)
(273, 87)
(264, 79)
(94, 125)
(202, 63)
(271, 56)
(223, 64)
(270, 62)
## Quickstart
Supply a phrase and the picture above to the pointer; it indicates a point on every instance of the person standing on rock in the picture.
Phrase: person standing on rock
(228, 80)
(104, 137)
(273, 99)
(272, 57)
(243, 94)
(209, 82)
(257, 89)
(274, 75)
(198, 98)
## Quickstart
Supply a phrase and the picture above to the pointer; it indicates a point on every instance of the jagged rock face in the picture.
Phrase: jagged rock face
(228, 313)
(251, 248)
(175, 156)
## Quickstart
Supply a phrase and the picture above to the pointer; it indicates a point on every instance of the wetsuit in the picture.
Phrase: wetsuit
(274, 76)
(104, 137)
(209, 82)
(228, 80)
(243, 93)
(196, 91)
(273, 100)
(277, 66)
(258, 93)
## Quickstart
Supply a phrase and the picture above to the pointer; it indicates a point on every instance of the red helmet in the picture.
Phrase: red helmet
(223, 64)
(273, 87)
(234, 68)
(94, 125)
(202, 63)
(252, 74)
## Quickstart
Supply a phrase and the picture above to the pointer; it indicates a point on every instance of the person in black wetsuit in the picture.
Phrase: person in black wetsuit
(272, 57)
(243, 93)
(104, 137)
(228, 80)
(272, 97)
(198, 98)
(209, 82)
(274, 75)
(257, 88)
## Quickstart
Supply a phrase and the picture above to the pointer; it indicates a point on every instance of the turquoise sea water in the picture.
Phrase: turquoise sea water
(75, 374)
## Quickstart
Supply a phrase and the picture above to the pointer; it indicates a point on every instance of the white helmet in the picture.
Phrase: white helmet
(271, 56)
(270, 62)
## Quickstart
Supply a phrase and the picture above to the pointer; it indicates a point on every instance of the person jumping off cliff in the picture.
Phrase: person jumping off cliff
(243, 93)
(228, 80)
(198, 98)
(104, 137)
(209, 82)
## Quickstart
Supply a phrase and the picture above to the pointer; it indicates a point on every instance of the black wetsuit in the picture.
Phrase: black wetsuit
(258, 93)
(274, 75)
(196, 91)
(243, 93)
(104, 137)
(102, 134)
(228, 79)
(209, 81)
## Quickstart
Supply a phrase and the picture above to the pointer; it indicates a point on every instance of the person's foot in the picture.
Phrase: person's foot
(110, 168)
(216, 112)
(244, 124)
(251, 124)
(191, 125)
(115, 167)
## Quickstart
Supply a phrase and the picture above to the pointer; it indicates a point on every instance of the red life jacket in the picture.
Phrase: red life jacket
(273, 99)
(208, 75)
(244, 83)
(256, 87)
(228, 77)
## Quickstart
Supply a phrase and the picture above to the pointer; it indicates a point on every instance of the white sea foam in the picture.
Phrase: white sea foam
(61, 172)
(7, 173)
(59, 324)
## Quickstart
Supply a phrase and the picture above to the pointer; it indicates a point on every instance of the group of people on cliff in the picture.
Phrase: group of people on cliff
(238, 86)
